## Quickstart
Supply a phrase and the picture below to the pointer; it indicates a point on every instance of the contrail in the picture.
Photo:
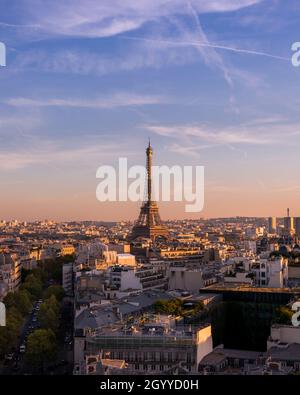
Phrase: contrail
(207, 44)
(21, 26)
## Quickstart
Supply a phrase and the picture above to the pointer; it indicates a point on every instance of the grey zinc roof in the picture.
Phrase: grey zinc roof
(213, 358)
(243, 354)
(100, 317)
(146, 299)
(106, 315)
(290, 353)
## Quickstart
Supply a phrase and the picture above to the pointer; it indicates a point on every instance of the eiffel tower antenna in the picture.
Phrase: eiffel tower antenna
(149, 152)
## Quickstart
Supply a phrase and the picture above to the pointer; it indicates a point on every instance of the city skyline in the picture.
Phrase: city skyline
(149, 203)
(87, 84)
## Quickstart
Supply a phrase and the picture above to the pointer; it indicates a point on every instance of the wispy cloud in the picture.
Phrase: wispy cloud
(191, 138)
(142, 55)
(186, 37)
(18, 121)
(93, 18)
(56, 154)
(207, 44)
(121, 99)
(229, 136)
(17, 128)
(12, 25)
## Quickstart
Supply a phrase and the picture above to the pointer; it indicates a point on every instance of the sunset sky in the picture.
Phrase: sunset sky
(210, 82)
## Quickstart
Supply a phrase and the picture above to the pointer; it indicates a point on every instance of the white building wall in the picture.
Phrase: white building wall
(129, 280)
(239, 278)
(189, 280)
(204, 343)
(284, 334)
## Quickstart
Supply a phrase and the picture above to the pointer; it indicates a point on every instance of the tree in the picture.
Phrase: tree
(283, 315)
(173, 306)
(40, 273)
(9, 333)
(41, 347)
(56, 290)
(33, 285)
(52, 303)
(48, 314)
(20, 300)
(9, 300)
(53, 268)
(160, 306)
(48, 318)
(199, 306)
(24, 274)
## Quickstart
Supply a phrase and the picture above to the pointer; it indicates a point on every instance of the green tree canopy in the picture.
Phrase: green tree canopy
(41, 347)
(9, 333)
(33, 285)
(173, 306)
(20, 300)
(283, 315)
(56, 290)
(49, 314)
(199, 306)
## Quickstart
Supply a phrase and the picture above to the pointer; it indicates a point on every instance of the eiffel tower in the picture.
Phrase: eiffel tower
(149, 224)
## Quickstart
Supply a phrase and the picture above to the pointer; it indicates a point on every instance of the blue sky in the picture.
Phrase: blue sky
(86, 81)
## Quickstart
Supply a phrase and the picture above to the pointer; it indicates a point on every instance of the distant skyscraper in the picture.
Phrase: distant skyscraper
(297, 226)
(288, 222)
(272, 225)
